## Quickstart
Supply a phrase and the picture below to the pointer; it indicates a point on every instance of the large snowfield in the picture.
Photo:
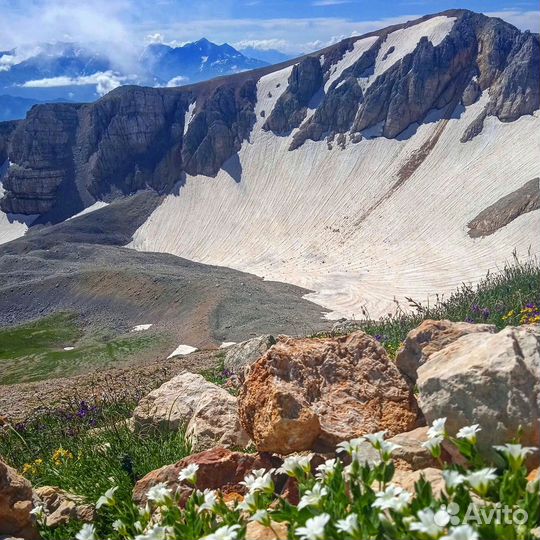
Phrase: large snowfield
(333, 221)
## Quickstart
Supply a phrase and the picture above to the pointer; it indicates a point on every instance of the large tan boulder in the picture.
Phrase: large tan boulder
(487, 379)
(428, 338)
(219, 468)
(16, 502)
(306, 393)
(207, 412)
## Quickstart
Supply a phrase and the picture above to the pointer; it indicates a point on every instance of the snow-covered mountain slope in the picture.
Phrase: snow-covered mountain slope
(397, 164)
(339, 222)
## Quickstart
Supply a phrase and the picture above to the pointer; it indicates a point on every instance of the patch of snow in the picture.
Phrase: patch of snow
(360, 46)
(227, 344)
(141, 327)
(13, 226)
(69, 348)
(189, 115)
(182, 350)
(405, 40)
(92, 208)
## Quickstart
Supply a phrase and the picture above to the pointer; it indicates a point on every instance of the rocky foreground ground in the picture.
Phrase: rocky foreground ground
(303, 396)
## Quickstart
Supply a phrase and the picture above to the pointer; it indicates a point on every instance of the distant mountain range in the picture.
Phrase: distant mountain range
(72, 72)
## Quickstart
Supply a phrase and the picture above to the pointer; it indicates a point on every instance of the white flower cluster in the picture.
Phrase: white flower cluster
(392, 504)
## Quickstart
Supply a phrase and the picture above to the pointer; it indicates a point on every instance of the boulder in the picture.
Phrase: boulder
(487, 379)
(62, 507)
(256, 531)
(215, 422)
(407, 479)
(431, 336)
(241, 355)
(16, 502)
(313, 393)
(219, 468)
(411, 454)
(208, 412)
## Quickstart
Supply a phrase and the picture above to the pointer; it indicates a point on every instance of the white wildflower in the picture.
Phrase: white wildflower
(159, 493)
(349, 525)
(351, 446)
(326, 469)
(107, 499)
(118, 525)
(463, 532)
(433, 444)
(437, 428)
(39, 513)
(392, 498)
(452, 479)
(259, 480)
(376, 439)
(155, 533)
(210, 501)
(387, 448)
(295, 464)
(260, 516)
(228, 532)
(469, 432)
(426, 523)
(479, 480)
(515, 453)
(314, 528)
(87, 532)
(313, 496)
(189, 473)
(249, 504)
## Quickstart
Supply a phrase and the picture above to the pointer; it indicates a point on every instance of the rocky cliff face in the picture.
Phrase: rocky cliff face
(138, 138)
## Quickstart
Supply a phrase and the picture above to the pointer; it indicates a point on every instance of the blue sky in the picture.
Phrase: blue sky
(288, 25)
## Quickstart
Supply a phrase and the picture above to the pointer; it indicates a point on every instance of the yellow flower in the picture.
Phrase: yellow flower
(38, 461)
(61, 455)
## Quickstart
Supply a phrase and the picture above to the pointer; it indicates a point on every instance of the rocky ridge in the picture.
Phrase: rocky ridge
(137, 137)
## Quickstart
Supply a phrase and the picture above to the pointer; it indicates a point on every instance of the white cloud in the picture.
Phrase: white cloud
(177, 81)
(105, 81)
(524, 20)
(19, 55)
(261, 44)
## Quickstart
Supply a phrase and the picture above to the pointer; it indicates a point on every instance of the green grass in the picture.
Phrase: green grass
(515, 286)
(35, 351)
(98, 449)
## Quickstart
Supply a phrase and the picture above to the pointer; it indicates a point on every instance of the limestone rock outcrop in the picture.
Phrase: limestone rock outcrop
(428, 338)
(487, 379)
(308, 392)
(61, 507)
(189, 401)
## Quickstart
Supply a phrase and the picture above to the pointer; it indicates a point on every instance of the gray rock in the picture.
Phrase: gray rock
(207, 412)
(432, 336)
(506, 209)
(241, 355)
(487, 379)
(290, 109)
